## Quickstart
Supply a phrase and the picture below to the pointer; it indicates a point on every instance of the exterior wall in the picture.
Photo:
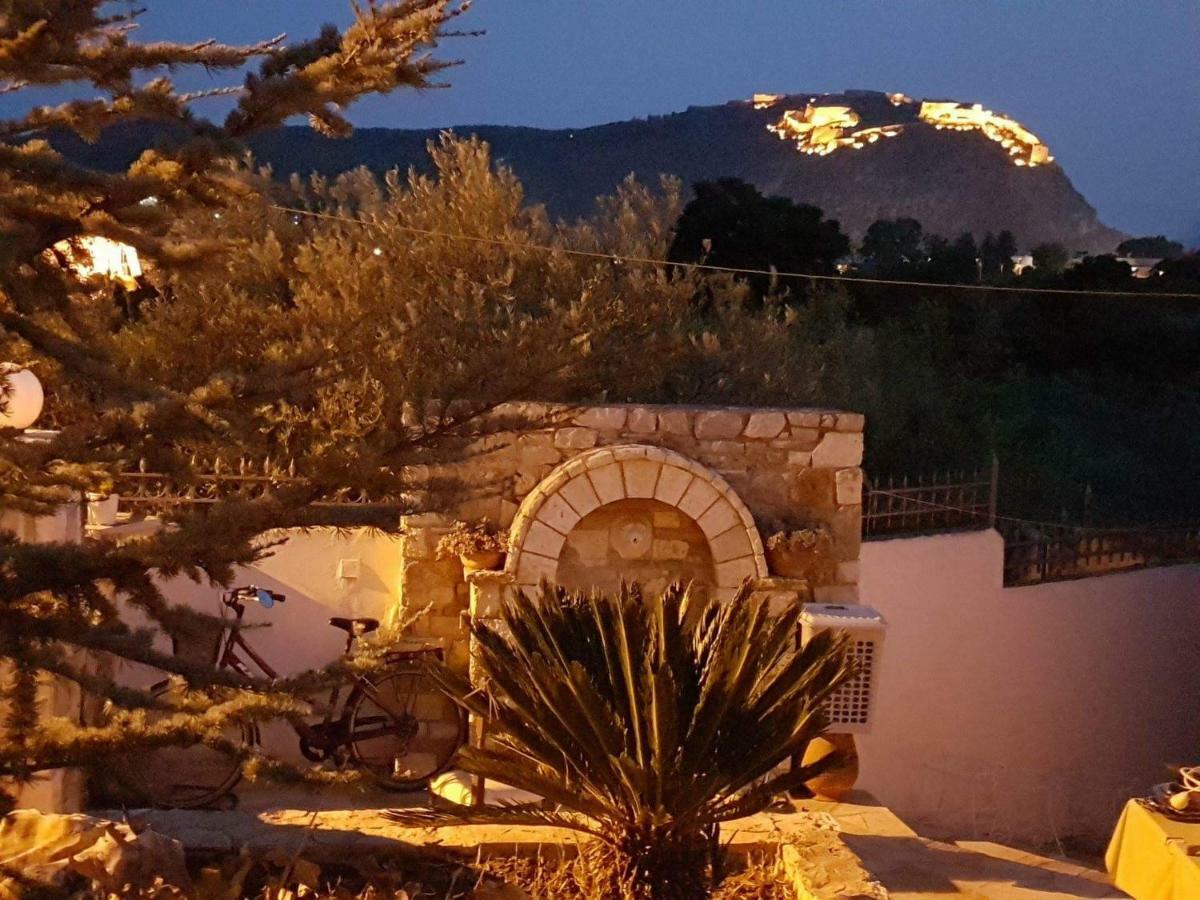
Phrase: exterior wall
(305, 568)
(1029, 713)
(692, 487)
(58, 790)
(740, 473)
(639, 540)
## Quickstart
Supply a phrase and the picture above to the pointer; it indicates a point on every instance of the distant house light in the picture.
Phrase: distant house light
(92, 256)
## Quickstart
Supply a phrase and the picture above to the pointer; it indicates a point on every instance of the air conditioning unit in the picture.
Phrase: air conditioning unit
(850, 708)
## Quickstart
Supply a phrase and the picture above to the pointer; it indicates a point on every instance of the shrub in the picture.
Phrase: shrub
(643, 722)
(463, 540)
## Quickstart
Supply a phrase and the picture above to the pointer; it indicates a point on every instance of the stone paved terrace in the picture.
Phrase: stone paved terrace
(330, 827)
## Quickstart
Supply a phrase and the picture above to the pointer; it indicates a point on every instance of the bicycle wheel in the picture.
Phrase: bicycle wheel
(403, 729)
(186, 776)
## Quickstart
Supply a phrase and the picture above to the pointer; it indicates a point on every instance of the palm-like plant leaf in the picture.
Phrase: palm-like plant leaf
(643, 721)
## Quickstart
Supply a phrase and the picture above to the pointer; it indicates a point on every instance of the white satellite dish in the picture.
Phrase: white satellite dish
(24, 399)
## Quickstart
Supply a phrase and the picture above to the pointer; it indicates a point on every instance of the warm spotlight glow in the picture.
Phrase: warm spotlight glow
(765, 101)
(819, 130)
(1023, 146)
(91, 256)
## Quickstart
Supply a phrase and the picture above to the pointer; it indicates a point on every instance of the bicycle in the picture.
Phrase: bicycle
(396, 725)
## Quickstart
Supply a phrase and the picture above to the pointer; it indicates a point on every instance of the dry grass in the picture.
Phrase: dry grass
(551, 876)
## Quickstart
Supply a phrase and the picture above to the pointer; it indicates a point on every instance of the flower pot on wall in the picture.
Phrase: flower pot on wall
(102, 510)
(481, 560)
(793, 563)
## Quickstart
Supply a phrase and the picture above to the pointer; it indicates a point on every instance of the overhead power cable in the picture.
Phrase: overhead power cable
(733, 270)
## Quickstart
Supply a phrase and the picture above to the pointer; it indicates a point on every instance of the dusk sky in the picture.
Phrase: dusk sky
(1112, 86)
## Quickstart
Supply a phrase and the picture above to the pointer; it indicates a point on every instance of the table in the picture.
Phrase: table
(1148, 855)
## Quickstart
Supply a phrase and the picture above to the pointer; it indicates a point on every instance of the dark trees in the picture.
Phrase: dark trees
(1050, 258)
(1153, 247)
(892, 247)
(729, 223)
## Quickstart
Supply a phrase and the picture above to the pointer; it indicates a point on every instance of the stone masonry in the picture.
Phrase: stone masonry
(649, 493)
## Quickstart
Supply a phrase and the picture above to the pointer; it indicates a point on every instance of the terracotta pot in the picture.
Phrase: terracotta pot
(833, 783)
(481, 560)
(792, 563)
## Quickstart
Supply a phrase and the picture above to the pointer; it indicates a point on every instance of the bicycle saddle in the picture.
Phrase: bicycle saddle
(355, 626)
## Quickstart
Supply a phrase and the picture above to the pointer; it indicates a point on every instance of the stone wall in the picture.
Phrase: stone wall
(590, 495)
(647, 541)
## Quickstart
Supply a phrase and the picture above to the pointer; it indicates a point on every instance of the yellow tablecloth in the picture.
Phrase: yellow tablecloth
(1148, 856)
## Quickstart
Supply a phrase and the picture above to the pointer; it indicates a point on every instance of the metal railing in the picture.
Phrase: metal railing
(944, 501)
(145, 493)
(1056, 554)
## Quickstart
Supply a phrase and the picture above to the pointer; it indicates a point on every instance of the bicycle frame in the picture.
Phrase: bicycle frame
(331, 732)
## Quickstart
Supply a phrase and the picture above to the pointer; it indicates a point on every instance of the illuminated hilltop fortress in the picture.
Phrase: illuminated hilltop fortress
(819, 130)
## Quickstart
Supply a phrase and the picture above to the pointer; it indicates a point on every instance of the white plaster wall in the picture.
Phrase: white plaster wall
(1026, 713)
(55, 790)
(297, 635)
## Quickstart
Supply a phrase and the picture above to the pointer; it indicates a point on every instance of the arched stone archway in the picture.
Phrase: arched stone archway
(612, 475)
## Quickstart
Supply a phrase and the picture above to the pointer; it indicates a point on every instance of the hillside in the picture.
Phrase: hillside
(950, 180)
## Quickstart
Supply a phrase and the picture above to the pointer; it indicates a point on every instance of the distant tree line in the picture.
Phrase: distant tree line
(729, 223)
(1081, 396)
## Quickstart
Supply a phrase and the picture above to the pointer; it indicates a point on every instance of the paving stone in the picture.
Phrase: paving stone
(698, 497)
(605, 418)
(851, 421)
(849, 484)
(719, 424)
(838, 449)
(675, 422)
(641, 476)
(558, 514)
(642, 421)
(805, 419)
(543, 540)
(765, 425)
(718, 518)
(575, 438)
(733, 572)
(672, 482)
(608, 482)
(580, 494)
(731, 544)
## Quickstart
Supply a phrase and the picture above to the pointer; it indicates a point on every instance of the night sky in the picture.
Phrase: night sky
(1113, 86)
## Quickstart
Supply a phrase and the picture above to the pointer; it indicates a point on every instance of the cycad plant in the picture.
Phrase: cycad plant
(644, 722)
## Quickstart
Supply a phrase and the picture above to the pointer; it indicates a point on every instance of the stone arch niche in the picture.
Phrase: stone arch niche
(657, 506)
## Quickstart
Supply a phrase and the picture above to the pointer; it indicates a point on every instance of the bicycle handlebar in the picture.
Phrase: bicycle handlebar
(267, 598)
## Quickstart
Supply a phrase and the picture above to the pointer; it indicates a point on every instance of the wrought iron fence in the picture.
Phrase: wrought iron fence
(1043, 554)
(146, 493)
(946, 501)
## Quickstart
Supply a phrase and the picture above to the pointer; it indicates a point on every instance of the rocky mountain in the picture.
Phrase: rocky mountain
(953, 167)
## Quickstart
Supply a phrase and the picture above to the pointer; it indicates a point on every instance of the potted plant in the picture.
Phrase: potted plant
(796, 551)
(476, 545)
